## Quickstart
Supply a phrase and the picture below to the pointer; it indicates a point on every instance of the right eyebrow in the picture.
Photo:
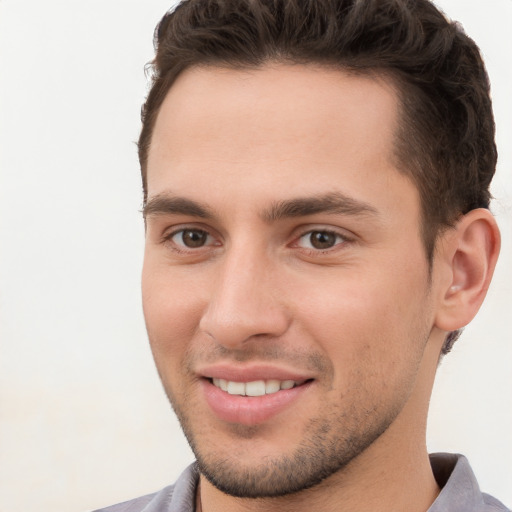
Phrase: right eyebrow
(164, 204)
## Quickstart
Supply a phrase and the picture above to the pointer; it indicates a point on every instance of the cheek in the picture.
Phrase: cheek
(374, 319)
(172, 308)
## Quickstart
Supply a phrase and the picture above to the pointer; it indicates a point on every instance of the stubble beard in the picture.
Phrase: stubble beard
(330, 441)
(326, 448)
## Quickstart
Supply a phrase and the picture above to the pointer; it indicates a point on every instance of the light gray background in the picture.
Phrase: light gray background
(83, 419)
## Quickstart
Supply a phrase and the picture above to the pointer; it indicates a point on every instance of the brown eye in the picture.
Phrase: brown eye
(320, 240)
(190, 238)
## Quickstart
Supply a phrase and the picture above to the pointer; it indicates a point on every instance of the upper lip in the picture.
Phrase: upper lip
(252, 372)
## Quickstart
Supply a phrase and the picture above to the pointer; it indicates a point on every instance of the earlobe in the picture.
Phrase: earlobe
(468, 253)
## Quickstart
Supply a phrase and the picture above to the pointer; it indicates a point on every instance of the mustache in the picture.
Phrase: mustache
(261, 352)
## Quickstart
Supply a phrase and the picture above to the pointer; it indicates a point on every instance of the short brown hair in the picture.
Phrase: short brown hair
(445, 142)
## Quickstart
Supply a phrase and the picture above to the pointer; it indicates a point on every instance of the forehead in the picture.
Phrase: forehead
(305, 129)
(298, 103)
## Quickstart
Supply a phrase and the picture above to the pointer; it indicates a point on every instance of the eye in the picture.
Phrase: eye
(191, 238)
(320, 240)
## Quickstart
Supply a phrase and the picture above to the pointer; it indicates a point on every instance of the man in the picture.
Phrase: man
(316, 189)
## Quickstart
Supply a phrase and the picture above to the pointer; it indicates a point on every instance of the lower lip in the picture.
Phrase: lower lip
(249, 410)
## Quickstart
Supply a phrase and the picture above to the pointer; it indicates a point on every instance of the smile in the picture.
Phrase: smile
(252, 402)
(254, 388)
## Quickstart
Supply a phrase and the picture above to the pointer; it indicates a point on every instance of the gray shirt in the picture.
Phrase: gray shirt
(459, 491)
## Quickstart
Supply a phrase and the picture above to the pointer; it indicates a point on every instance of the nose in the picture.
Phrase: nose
(245, 301)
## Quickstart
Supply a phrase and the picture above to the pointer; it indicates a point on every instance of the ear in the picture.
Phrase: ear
(467, 256)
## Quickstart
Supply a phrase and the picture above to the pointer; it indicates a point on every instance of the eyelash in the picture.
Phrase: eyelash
(168, 238)
(341, 240)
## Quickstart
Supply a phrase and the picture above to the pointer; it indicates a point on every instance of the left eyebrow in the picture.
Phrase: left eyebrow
(336, 203)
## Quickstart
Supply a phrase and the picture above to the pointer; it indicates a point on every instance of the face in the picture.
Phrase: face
(285, 285)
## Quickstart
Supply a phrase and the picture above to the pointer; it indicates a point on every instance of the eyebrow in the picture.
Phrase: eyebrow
(335, 203)
(163, 204)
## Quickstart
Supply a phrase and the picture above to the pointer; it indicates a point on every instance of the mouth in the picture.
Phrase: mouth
(255, 400)
(255, 388)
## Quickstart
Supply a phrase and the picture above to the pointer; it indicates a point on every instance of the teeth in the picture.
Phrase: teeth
(254, 388)
(272, 386)
(236, 388)
(221, 383)
(287, 384)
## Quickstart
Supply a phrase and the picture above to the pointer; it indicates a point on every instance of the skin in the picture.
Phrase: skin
(362, 318)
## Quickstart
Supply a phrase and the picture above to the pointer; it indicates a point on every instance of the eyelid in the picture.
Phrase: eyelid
(171, 232)
(342, 235)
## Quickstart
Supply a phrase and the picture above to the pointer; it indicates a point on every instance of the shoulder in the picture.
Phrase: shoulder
(491, 504)
(459, 488)
(135, 505)
(179, 497)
